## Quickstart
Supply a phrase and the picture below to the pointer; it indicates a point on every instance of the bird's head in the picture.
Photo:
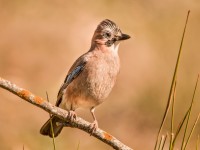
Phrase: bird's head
(108, 34)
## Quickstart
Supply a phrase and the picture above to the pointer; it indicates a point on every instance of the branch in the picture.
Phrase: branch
(48, 107)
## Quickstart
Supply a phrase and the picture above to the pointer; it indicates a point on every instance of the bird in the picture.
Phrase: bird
(91, 78)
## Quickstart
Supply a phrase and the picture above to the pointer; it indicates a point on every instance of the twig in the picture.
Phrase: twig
(48, 107)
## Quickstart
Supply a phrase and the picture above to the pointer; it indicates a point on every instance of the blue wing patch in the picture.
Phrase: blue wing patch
(71, 76)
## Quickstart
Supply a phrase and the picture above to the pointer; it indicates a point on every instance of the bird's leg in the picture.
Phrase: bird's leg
(72, 115)
(94, 125)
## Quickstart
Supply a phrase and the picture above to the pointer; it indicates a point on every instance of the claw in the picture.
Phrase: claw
(93, 127)
(72, 115)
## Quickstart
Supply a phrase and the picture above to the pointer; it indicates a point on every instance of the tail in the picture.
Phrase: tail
(56, 125)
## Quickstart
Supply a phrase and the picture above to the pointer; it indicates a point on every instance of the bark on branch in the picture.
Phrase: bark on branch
(78, 123)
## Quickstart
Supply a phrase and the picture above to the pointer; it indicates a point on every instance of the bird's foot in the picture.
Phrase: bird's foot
(72, 115)
(93, 127)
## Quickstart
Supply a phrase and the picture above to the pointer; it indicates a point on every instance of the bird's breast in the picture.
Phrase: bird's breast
(95, 82)
(101, 75)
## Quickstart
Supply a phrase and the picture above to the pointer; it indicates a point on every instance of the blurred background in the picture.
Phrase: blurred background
(40, 40)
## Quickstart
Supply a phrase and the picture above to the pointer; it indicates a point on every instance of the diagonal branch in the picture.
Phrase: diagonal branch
(78, 123)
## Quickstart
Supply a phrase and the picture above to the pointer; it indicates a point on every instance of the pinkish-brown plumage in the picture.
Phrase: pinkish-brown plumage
(91, 77)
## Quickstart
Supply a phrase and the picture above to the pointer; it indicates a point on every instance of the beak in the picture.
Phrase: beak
(123, 37)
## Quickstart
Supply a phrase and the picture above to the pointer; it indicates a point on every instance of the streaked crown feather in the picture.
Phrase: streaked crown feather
(107, 24)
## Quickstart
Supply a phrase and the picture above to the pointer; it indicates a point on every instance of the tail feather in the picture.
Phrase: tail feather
(56, 124)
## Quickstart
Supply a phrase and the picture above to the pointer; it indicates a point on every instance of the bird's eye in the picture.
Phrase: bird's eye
(107, 34)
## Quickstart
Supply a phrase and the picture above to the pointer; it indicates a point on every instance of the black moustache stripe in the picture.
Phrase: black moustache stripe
(110, 42)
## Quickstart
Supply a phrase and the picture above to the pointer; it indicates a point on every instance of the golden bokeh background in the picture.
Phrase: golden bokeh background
(39, 41)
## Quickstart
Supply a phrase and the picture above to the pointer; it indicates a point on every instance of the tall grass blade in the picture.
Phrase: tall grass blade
(172, 119)
(53, 137)
(191, 132)
(163, 145)
(172, 84)
(78, 145)
(189, 113)
(197, 145)
(179, 128)
(161, 141)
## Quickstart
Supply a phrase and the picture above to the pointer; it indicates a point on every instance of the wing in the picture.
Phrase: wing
(69, 78)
